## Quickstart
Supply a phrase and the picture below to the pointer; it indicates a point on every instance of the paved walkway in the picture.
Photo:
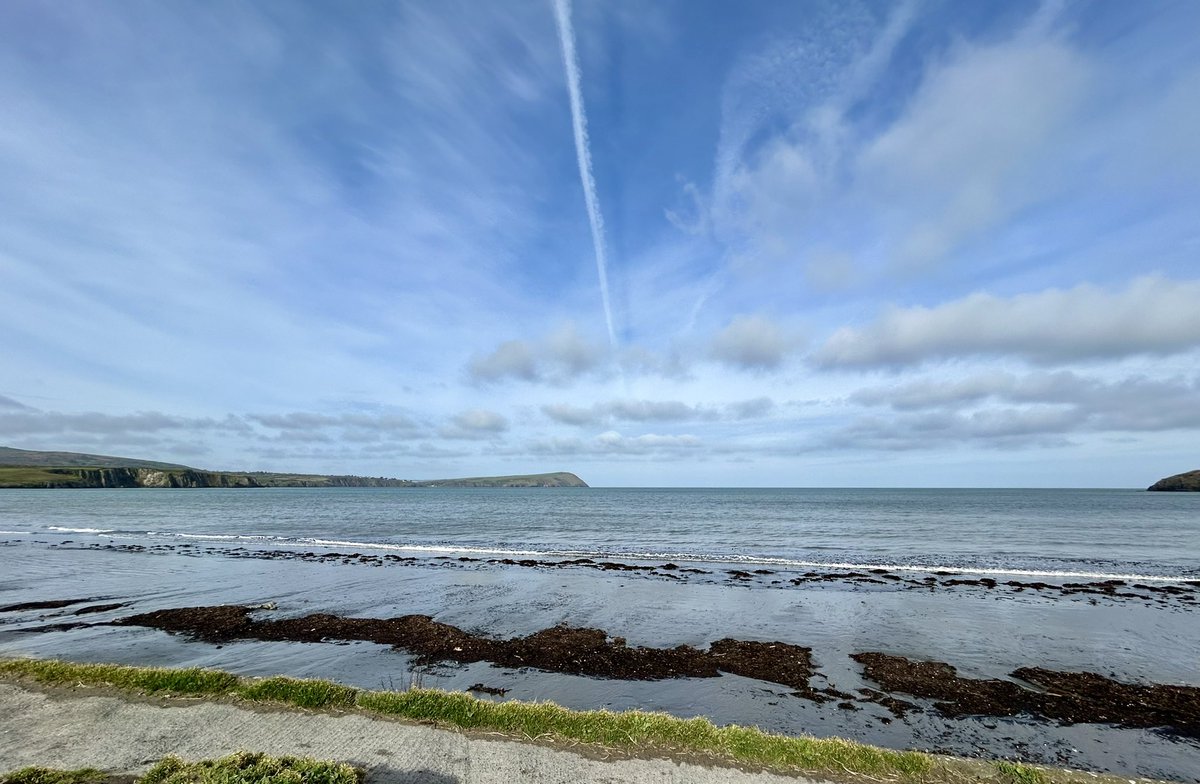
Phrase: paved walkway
(127, 736)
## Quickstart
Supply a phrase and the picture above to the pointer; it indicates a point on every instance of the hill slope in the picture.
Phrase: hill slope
(28, 457)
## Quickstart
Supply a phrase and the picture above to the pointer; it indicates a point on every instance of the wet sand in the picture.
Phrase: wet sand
(1065, 697)
(1186, 592)
(986, 628)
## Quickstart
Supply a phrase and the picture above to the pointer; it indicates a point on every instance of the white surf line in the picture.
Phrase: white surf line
(566, 37)
(64, 529)
(714, 559)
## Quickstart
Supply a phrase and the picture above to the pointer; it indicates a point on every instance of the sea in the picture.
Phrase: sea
(476, 558)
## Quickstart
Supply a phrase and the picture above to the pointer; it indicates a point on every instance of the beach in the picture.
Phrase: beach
(864, 627)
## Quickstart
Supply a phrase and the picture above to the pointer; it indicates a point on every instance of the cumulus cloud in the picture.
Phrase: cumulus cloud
(625, 410)
(755, 408)
(751, 343)
(359, 428)
(53, 423)
(511, 359)
(655, 411)
(560, 356)
(568, 414)
(189, 435)
(307, 420)
(1153, 315)
(613, 443)
(1009, 410)
(475, 423)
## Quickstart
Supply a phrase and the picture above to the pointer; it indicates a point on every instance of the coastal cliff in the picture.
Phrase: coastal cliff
(1188, 481)
(22, 468)
(69, 477)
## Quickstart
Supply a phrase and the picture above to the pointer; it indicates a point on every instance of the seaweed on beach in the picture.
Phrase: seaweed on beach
(576, 651)
(1065, 697)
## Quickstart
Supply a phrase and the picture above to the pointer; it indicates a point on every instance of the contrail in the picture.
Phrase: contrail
(566, 36)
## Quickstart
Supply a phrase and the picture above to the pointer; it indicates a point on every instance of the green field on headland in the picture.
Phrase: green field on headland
(22, 468)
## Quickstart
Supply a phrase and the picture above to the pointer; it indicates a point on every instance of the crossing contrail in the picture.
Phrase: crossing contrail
(566, 36)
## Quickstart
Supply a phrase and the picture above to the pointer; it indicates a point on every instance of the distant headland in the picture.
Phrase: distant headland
(23, 468)
(1189, 481)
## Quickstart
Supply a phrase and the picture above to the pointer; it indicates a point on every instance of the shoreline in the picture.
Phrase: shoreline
(898, 684)
(1182, 590)
(284, 547)
(626, 736)
(986, 632)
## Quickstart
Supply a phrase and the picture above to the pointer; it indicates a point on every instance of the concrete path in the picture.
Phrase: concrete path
(127, 736)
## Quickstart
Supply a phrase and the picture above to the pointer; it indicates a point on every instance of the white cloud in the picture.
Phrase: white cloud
(752, 343)
(561, 356)
(755, 408)
(1010, 410)
(30, 422)
(572, 415)
(656, 411)
(511, 359)
(1153, 315)
(965, 154)
(613, 443)
(475, 423)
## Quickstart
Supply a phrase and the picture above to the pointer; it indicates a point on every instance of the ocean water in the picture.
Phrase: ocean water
(152, 549)
(1085, 533)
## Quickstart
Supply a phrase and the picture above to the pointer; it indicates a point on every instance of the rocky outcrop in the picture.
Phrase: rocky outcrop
(1185, 482)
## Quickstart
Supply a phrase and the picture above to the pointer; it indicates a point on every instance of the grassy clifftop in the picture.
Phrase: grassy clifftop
(29, 458)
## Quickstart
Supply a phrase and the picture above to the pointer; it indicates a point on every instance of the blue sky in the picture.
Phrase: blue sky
(877, 244)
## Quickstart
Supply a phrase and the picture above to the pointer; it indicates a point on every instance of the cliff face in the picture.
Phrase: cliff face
(1185, 482)
(144, 477)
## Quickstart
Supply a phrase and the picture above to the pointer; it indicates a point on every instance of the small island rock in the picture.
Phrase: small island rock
(1185, 482)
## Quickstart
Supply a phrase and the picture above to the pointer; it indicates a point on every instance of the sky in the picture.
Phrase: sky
(679, 243)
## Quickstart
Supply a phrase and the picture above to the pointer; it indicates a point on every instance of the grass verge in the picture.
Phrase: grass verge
(240, 768)
(249, 768)
(1016, 773)
(629, 731)
(51, 776)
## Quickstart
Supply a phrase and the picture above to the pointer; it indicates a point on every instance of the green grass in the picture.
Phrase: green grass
(34, 476)
(632, 731)
(1016, 773)
(149, 680)
(294, 691)
(241, 768)
(248, 768)
(51, 776)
